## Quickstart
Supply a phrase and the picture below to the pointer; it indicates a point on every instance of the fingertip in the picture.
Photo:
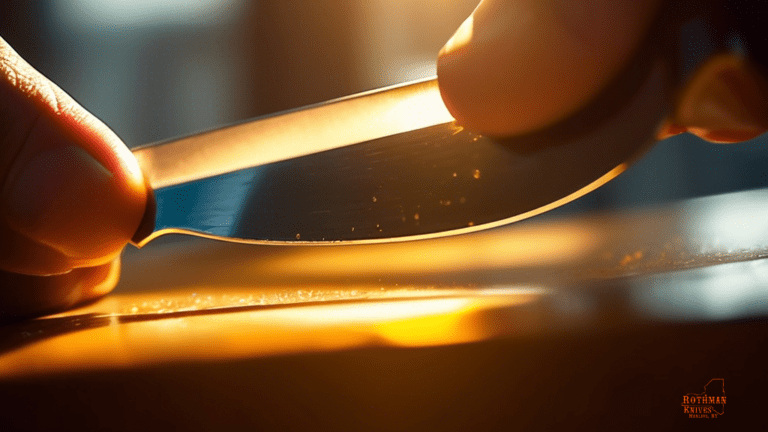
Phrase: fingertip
(72, 193)
(59, 195)
(25, 296)
(518, 66)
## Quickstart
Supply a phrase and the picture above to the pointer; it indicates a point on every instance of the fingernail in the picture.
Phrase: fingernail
(147, 224)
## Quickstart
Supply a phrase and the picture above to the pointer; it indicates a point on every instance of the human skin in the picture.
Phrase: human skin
(517, 66)
(71, 193)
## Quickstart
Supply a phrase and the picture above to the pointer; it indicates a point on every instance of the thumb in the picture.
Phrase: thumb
(71, 193)
(517, 66)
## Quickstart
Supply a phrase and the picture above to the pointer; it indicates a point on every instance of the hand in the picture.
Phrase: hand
(519, 66)
(71, 196)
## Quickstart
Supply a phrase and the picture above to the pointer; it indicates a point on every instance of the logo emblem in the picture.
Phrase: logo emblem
(709, 404)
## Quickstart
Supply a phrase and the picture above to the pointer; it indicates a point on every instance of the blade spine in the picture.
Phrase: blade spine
(154, 159)
(283, 112)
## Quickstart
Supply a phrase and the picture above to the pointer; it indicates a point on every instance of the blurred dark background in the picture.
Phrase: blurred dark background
(153, 70)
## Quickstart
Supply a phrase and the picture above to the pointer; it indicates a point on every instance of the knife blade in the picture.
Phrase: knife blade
(381, 166)
(393, 165)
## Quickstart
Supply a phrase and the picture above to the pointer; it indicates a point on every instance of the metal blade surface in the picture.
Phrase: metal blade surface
(416, 182)
(325, 126)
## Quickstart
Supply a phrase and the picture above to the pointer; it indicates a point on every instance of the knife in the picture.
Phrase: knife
(392, 164)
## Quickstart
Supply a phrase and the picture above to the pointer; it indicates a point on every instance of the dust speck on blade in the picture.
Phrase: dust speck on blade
(416, 216)
(298, 236)
(476, 174)
(374, 199)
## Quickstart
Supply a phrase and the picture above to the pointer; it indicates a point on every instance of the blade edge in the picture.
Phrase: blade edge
(469, 229)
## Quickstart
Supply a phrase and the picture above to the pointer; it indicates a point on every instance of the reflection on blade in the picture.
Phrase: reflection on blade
(412, 184)
(438, 180)
(312, 129)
